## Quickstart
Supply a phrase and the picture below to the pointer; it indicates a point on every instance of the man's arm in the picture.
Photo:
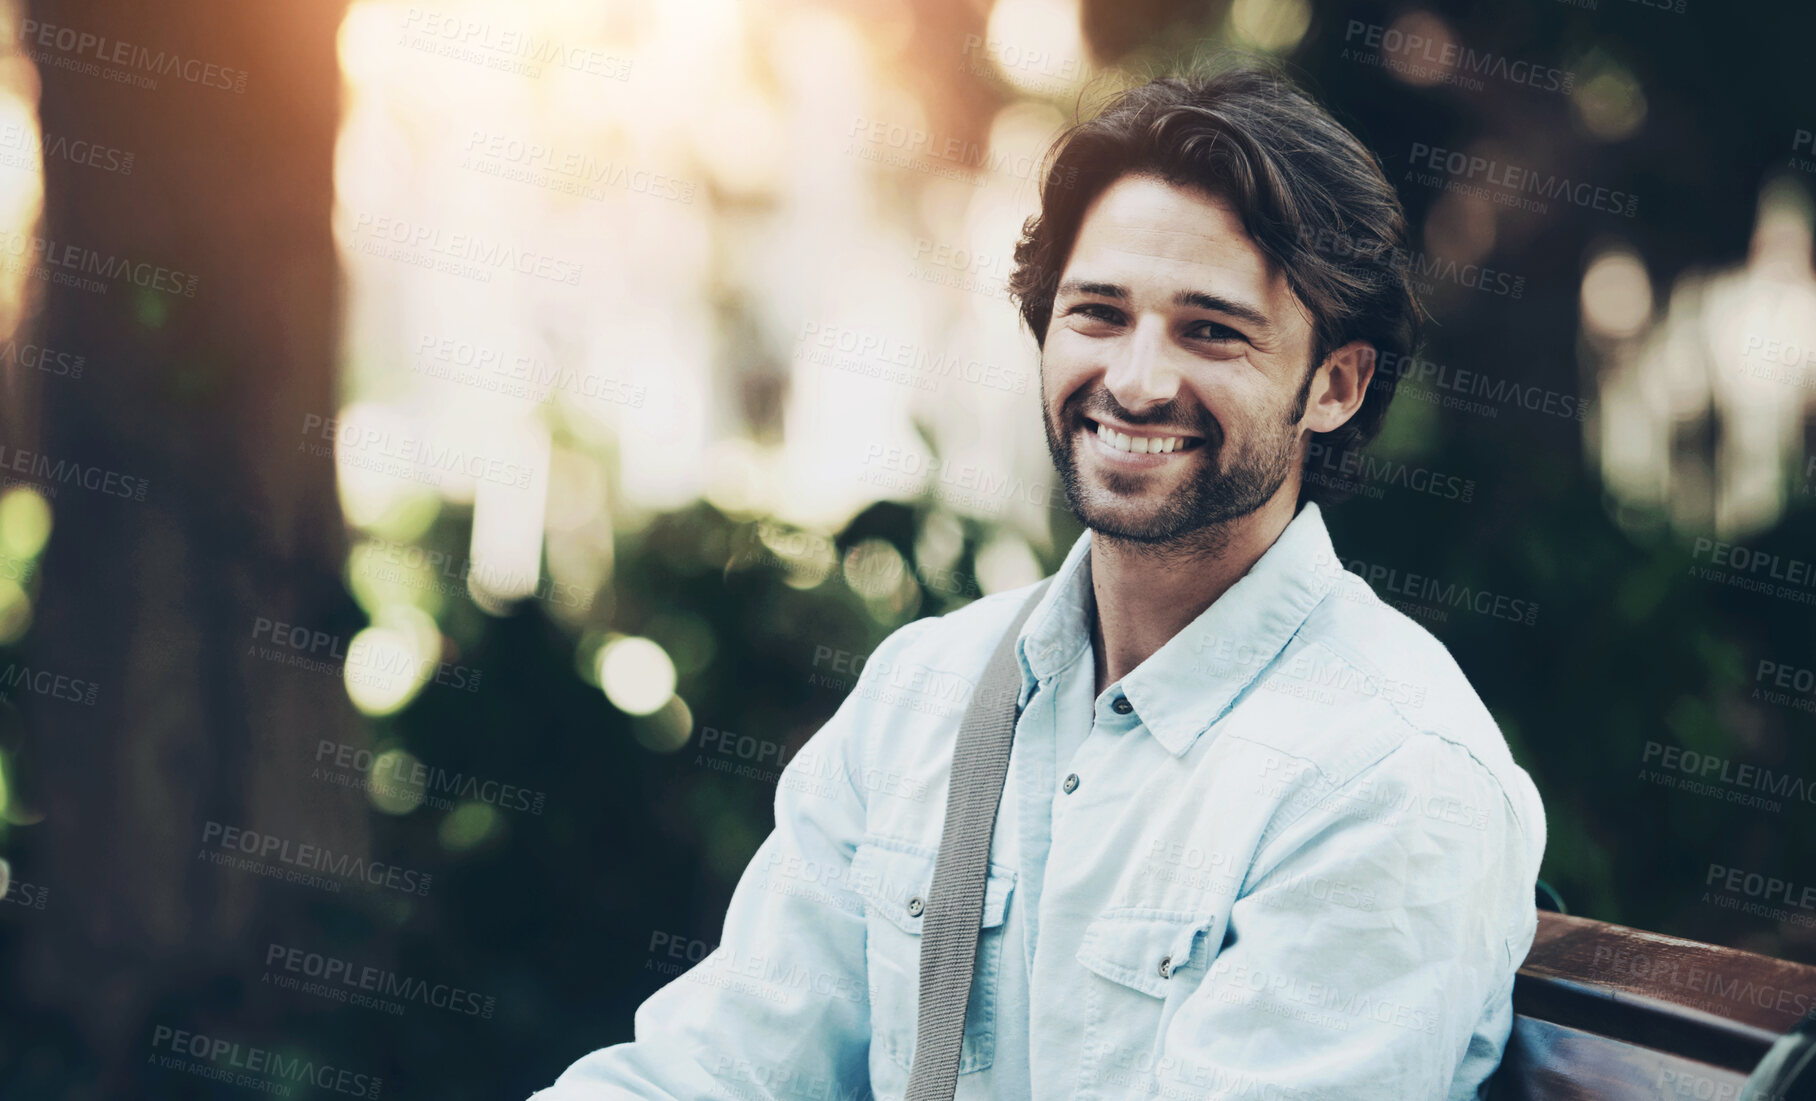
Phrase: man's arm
(780, 1009)
(1360, 963)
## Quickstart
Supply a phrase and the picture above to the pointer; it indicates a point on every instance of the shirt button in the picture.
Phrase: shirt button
(1166, 967)
(915, 906)
(1122, 706)
(1071, 784)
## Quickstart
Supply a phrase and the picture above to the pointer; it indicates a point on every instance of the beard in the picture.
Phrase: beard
(1231, 482)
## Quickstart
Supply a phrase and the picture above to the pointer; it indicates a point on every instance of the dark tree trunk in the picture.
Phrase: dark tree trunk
(204, 398)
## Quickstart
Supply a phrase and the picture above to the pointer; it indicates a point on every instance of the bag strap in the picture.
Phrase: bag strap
(955, 903)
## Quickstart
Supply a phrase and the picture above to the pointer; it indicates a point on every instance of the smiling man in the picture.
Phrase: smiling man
(1258, 838)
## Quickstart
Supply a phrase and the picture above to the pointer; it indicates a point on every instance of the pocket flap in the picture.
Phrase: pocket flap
(895, 880)
(1144, 949)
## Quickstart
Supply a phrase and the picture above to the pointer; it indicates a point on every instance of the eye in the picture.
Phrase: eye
(1097, 311)
(1214, 332)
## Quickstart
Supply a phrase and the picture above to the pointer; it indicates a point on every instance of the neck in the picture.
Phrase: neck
(1148, 592)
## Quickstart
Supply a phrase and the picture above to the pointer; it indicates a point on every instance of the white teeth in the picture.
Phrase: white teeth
(1139, 445)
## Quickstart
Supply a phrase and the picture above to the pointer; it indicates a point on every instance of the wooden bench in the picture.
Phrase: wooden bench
(1616, 1014)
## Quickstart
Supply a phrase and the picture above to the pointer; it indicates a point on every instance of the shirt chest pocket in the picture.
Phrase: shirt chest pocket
(1150, 961)
(895, 881)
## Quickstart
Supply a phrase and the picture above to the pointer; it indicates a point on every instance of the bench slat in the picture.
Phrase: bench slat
(1555, 1062)
(1617, 1014)
(1769, 995)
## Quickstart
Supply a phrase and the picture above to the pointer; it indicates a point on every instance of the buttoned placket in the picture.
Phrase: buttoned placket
(1115, 717)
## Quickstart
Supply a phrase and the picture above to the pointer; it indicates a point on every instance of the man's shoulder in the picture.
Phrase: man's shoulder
(962, 639)
(1419, 697)
(1380, 640)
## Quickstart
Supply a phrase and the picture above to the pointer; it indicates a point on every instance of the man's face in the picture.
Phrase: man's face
(1173, 378)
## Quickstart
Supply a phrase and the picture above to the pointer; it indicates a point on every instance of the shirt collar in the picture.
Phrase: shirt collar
(1058, 631)
(1188, 684)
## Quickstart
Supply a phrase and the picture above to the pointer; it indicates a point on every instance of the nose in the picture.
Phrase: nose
(1142, 375)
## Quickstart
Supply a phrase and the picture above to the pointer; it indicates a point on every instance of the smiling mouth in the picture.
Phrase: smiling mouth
(1154, 444)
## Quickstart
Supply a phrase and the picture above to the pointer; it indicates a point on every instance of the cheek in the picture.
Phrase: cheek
(1065, 365)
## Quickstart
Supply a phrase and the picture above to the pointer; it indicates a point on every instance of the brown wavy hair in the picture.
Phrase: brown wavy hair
(1311, 196)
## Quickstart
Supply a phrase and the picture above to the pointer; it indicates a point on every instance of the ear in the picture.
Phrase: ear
(1338, 387)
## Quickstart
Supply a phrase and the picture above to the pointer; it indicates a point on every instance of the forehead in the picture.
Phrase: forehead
(1142, 231)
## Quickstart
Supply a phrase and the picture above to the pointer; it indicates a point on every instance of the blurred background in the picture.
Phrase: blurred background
(453, 454)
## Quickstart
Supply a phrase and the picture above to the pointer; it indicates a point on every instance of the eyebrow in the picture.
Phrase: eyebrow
(1198, 299)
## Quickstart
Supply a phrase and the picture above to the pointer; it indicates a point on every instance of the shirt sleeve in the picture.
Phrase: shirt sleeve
(1371, 954)
(780, 1009)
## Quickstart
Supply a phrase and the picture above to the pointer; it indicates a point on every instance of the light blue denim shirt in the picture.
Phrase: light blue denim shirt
(1287, 856)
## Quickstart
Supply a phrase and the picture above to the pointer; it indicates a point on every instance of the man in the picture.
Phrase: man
(1259, 838)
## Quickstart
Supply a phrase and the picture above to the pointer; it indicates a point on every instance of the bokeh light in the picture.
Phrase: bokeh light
(1616, 294)
(1276, 25)
(15, 611)
(1609, 102)
(469, 825)
(667, 729)
(636, 675)
(394, 787)
(25, 521)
